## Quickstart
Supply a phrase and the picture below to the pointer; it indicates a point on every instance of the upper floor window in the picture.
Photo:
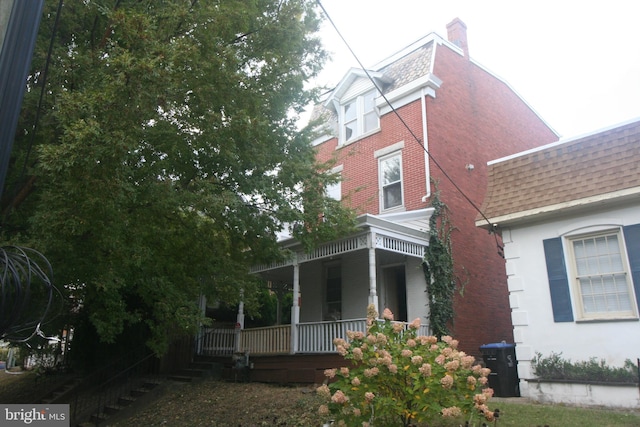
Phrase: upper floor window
(602, 282)
(359, 116)
(335, 190)
(390, 169)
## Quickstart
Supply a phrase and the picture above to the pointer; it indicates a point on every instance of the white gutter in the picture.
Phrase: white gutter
(425, 142)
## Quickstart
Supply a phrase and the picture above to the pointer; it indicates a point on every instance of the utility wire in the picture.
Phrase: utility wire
(415, 137)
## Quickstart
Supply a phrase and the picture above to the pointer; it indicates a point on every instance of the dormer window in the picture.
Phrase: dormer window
(359, 117)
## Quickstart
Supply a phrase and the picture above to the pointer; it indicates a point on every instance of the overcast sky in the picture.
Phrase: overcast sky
(577, 63)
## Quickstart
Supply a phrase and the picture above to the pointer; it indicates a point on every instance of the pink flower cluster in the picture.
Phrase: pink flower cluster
(339, 397)
(452, 412)
(390, 357)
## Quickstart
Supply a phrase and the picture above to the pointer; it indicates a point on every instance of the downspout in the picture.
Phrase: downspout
(425, 142)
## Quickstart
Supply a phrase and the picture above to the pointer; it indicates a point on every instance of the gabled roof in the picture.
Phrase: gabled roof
(602, 167)
(353, 75)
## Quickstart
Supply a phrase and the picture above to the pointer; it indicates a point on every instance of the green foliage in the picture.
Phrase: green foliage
(555, 367)
(395, 377)
(167, 157)
(439, 270)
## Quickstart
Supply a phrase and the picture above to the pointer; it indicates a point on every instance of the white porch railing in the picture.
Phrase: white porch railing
(218, 342)
(268, 340)
(317, 337)
(313, 337)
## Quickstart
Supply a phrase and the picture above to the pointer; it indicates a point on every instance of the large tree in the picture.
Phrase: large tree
(163, 156)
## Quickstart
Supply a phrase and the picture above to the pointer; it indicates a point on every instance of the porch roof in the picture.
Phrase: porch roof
(405, 233)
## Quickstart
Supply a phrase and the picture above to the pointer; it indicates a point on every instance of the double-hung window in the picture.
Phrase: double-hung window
(334, 190)
(601, 277)
(390, 169)
(359, 116)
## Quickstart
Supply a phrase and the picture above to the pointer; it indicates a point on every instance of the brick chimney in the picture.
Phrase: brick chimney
(457, 34)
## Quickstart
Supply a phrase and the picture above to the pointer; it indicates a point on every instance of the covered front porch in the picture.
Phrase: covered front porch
(312, 338)
(332, 286)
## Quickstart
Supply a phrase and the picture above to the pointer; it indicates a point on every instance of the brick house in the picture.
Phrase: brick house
(569, 216)
(464, 115)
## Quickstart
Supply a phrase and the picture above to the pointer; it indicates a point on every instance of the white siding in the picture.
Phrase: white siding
(355, 285)
(534, 328)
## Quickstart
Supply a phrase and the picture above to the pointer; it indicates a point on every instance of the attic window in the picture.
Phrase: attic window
(359, 117)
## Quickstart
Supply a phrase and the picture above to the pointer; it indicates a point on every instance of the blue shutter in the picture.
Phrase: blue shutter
(558, 282)
(632, 240)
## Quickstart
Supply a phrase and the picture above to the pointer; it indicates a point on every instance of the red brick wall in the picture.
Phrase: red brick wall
(473, 119)
(360, 167)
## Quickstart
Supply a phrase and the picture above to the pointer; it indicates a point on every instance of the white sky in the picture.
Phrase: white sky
(577, 63)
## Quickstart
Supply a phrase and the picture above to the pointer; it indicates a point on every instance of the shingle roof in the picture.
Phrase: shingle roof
(564, 175)
(410, 67)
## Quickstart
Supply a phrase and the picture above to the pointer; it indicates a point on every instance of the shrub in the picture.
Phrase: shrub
(555, 367)
(396, 377)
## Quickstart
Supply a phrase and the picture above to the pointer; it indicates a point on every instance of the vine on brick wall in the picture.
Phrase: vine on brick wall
(438, 269)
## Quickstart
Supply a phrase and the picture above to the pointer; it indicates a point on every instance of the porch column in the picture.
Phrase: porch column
(239, 322)
(202, 304)
(295, 308)
(373, 293)
(240, 315)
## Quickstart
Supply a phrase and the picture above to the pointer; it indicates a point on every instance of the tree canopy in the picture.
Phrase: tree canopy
(164, 157)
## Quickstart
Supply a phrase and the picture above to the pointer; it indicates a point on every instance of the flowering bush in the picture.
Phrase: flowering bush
(396, 376)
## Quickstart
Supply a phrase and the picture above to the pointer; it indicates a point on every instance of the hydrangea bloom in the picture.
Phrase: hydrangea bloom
(406, 371)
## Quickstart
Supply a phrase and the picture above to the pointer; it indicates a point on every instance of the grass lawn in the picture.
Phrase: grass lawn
(224, 404)
(221, 404)
(532, 414)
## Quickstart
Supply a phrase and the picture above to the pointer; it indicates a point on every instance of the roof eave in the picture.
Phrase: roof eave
(540, 213)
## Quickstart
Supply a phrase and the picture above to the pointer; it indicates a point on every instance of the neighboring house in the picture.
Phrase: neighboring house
(569, 214)
(464, 116)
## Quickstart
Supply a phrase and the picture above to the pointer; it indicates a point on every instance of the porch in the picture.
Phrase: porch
(311, 338)
(379, 264)
(269, 354)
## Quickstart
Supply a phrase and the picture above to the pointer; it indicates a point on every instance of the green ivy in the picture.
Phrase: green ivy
(438, 269)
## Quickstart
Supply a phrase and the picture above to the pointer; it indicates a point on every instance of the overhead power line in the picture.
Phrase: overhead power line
(415, 137)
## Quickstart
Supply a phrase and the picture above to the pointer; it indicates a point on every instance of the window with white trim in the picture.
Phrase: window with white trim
(601, 278)
(390, 175)
(334, 190)
(359, 116)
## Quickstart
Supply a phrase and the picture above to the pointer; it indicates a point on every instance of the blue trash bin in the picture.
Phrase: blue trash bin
(501, 359)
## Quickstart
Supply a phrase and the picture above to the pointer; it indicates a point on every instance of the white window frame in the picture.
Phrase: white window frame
(334, 191)
(622, 271)
(382, 158)
(358, 120)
